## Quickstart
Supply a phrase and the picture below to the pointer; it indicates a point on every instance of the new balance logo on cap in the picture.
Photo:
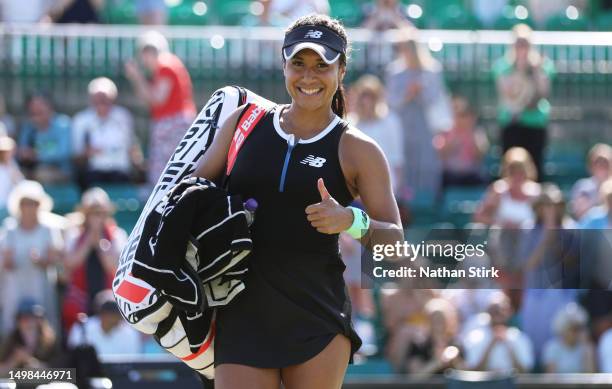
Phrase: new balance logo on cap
(315, 34)
(313, 161)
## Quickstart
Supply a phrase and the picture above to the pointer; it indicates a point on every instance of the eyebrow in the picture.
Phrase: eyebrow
(299, 56)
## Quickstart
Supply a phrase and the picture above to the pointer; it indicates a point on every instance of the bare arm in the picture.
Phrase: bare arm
(516, 364)
(369, 172)
(484, 360)
(213, 162)
(150, 94)
(366, 172)
(486, 209)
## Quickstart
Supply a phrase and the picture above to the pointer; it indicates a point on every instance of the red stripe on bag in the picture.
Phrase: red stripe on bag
(246, 124)
(132, 292)
(204, 347)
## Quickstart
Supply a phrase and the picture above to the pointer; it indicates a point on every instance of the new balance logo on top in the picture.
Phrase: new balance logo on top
(315, 34)
(313, 161)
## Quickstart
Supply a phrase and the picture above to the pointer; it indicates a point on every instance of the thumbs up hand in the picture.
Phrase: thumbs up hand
(328, 216)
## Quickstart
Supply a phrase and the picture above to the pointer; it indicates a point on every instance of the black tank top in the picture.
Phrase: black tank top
(281, 173)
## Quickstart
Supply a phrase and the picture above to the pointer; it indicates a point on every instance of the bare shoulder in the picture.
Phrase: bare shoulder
(212, 163)
(230, 123)
(361, 159)
(532, 189)
(499, 187)
(355, 144)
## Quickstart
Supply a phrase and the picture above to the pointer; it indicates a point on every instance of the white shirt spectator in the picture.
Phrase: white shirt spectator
(122, 339)
(604, 352)
(23, 11)
(9, 177)
(387, 132)
(477, 341)
(293, 9)
(113, 136)
(565, 359)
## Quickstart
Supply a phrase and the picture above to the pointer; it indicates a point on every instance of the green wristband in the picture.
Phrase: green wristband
(361, 223)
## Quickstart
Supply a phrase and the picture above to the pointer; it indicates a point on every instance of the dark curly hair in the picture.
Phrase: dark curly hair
(339, 100)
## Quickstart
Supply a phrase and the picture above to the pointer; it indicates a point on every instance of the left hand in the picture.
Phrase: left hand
(328, 216)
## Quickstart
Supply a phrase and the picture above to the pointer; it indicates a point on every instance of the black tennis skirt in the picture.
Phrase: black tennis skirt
(292, 307)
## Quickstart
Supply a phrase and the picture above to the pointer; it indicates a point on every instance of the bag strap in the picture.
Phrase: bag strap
(250, 116)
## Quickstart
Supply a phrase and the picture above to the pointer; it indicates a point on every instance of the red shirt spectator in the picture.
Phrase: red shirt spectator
(179, 99)
(168, 96)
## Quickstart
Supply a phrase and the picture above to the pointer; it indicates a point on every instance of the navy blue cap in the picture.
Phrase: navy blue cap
(324, 41)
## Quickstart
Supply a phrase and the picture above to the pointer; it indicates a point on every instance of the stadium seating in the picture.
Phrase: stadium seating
(460, 203)
(128, 202)
(348, 11)
(65, 197)
(561, 22)
(190, 14)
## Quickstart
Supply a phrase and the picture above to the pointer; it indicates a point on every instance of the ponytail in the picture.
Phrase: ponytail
(339, 102)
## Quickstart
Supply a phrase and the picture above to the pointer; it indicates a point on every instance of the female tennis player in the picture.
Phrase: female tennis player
(304, 165)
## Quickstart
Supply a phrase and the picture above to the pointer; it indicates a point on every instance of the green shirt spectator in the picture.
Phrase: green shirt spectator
(536, 113)
(523, 78)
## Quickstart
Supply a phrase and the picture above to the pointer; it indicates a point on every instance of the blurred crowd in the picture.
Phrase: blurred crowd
(378, 15)
(56, 271)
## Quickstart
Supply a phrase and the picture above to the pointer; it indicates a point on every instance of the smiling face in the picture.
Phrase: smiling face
(311, 82)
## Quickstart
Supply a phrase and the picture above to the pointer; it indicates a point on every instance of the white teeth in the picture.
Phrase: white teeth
(310, 91)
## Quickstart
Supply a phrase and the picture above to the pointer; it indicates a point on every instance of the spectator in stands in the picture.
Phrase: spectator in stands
(32, 344)
(600, 218)
(507, 205)
(597, 300)
(523, 79)
(436, 349)
(414, 88)
(75, 11)
(107, 332)
(549, 252)
(585, 193)
(44, 148)
(362, 299)
(10, 174)
(168, 95)
(462, 148)
(488, 11)
(92, 254)
(498, 347)
(283, 12)
(31, 252)
(471, 304)
(386, 15)
(152, 12)
(541, 11)
(24, 11)
(403, 312)
(7, 120)
(572, 350)
(372, 115)
(604, 352)
(508, 201)
(105, 146)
